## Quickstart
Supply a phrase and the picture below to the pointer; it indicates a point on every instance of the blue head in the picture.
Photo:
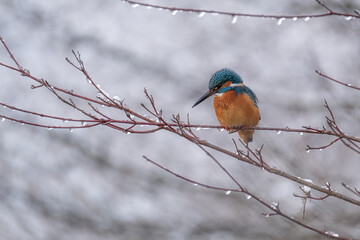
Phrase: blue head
(217, 81)
(222, 76)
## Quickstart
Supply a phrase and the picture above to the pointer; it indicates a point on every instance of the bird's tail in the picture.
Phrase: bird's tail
(246, 135)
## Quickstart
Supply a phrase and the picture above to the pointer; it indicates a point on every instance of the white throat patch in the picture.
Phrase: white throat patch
(236, 85)
(231, 85)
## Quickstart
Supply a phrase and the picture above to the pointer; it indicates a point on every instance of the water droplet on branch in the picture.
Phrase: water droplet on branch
(280, 21)
(332, 234)
(228, 192)
(174, 12)
(234, 19)
(306, 189)
(306, 19)
(201, 14)
(274, 205)
(278, 132)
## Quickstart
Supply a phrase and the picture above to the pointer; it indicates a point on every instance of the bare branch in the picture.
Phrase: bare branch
(273, 207)
(355, 191)
(234, 15)
(196, 183)
(347, 141)
(49, 127)
(324, 6)
(222, 167)
(349, 85)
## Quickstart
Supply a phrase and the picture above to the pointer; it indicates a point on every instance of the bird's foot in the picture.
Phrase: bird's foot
(232, 130)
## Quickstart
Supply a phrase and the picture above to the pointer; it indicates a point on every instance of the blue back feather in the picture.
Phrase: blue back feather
(249, 92)
(242, 90)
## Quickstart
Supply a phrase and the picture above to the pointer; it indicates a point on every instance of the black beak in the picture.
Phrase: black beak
(205, 96)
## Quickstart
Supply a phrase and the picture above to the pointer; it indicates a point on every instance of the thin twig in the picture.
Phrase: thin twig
(337, 81)
(355, 191)
(201, 12)
(324, 6)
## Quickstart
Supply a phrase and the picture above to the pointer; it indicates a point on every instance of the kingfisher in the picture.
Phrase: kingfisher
(236, 105)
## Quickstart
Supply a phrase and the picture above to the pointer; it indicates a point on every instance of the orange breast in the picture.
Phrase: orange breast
(235, 111)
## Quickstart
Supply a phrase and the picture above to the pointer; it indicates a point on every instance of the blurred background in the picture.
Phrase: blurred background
(94, 183)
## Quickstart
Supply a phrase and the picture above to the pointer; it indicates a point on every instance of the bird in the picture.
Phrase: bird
(236, 105)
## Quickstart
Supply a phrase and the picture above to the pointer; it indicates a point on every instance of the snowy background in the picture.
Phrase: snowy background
(94, 184)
